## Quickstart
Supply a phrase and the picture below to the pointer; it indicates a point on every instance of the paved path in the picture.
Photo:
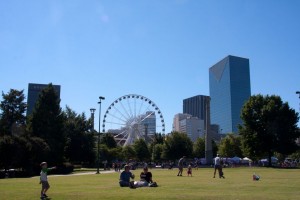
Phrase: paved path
(79, 174)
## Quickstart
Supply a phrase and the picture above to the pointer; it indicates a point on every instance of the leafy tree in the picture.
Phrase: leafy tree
(80, 142)
(109, 140)
(47, 122)
(116, 153)
(199, 148)
(13, 109)
(158, 138)
(230, 146)
(141, 150)
(177, 145)
(128, 152)
(269, 126)
(157, 152)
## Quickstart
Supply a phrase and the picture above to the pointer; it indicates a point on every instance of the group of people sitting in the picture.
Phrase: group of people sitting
(145, 178)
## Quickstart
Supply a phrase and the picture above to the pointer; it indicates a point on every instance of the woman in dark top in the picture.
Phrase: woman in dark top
(146, 176)
(145, 179)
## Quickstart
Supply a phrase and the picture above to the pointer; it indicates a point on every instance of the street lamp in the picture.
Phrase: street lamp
(98, 143)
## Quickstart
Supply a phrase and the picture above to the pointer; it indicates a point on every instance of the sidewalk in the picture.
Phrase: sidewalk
(80, 174)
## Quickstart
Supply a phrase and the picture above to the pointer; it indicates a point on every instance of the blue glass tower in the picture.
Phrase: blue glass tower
(229, 85)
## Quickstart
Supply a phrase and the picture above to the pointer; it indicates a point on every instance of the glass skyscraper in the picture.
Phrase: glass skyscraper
(229, 85)
(195, 106)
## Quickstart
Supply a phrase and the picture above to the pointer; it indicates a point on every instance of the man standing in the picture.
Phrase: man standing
(180, 166)
(217, 162)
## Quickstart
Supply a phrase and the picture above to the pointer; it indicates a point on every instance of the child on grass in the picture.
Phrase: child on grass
(44, 179)
(189, 170)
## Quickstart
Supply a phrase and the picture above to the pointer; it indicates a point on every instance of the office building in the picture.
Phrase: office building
(229, 85)
(34, 91)
(195, 106)
(192, 126)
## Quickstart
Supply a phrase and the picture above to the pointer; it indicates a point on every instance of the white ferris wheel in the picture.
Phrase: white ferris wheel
(132, 117)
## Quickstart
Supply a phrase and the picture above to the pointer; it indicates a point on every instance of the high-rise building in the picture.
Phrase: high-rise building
(34, 92)
(192, 126)
(195, 106)
(229, 85)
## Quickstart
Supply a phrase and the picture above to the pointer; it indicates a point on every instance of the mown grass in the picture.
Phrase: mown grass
(238, 185)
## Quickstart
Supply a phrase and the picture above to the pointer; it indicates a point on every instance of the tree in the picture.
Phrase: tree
(177, 145)
(158, 138)
(269, 126)
(13, 108)
(128, 153)
(230, 146)
(141, 150)
(199, 148)
(47, 122)
(157, 152)
(109, 140)
(80, 142)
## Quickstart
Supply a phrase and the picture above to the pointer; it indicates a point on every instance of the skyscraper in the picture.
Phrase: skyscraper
(229, 85)
(33, 94)
(195, 106)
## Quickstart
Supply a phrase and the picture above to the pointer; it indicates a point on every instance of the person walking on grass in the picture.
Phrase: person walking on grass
(44, 179)
(180, 165)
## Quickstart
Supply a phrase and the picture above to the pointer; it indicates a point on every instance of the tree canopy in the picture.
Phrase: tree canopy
(13, 108)
(269, 126)
(177, 145)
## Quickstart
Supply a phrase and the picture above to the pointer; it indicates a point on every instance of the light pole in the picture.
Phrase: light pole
(98, 143)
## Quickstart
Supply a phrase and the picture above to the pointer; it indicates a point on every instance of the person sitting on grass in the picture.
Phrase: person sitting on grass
(145, 179)
(125, 178)
(44, 179)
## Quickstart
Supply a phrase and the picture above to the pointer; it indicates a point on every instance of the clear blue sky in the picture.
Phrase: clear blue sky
(161, 49)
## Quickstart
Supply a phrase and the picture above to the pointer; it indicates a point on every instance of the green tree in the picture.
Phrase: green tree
(158, 138)
(13, 108)
(109, 140)
(199, 148)
(80, 143)
(269, 126)
(230, 146)
(128, 153)
(47, 122)
(141, 150)
(157, 152)
(177, 145)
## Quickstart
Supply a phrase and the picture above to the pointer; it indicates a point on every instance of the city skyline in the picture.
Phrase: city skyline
(159, 49)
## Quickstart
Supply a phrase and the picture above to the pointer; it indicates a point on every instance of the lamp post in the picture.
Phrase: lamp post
(98, 143)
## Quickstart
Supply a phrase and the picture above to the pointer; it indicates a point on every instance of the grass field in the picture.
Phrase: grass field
(238, 185)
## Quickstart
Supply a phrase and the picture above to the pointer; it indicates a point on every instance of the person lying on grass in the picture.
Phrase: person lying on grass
(145, 179)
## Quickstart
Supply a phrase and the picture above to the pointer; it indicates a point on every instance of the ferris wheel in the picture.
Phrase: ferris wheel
(132, 117)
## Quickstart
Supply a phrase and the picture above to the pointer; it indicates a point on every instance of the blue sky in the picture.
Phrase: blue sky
(161, 49)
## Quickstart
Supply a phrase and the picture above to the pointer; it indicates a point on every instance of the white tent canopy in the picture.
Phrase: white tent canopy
(247, 159)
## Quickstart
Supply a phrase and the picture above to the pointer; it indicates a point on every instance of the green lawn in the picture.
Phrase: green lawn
(274, 184)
